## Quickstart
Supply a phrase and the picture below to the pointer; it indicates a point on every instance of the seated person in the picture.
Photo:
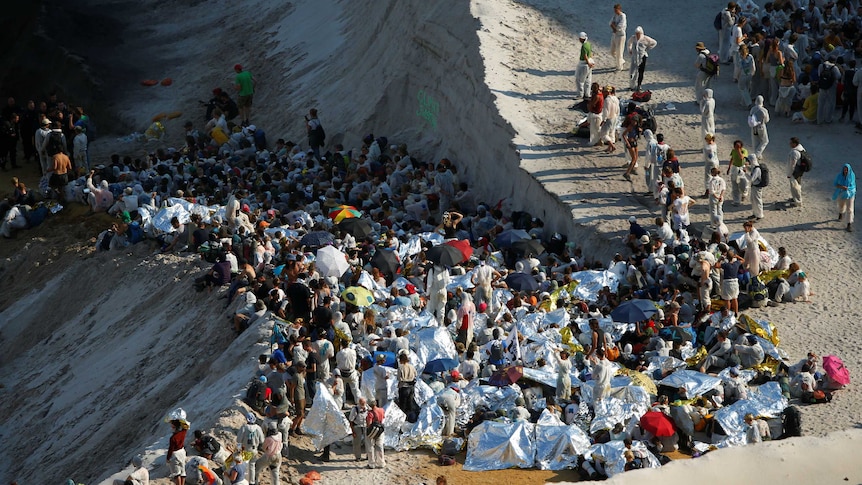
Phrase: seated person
(218, 275)
(245, 318)
(100, 198)
(178, 240)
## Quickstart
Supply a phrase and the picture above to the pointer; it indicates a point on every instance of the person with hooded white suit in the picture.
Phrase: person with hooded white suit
(707, 113)
(638, 46)
(758, 117)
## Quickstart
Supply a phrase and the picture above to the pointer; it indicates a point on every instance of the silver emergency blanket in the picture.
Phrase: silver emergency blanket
(590, 283)
(206, 212)
(771, 350)
(765, 400)
(432, 343)
(325, 422)
(769, 258)
(161, 221)
(614, 329)
(611, 410)
(462, 281)
(394, 418)
(559, 446)
(411, 247)
(496, 446)
(369, 381)
(664, 363)
(612, 454)
(426, 431)
(432, 237)
(493, 397)
(744, 374)
(587, 387)
(695, 383)
(422, 392)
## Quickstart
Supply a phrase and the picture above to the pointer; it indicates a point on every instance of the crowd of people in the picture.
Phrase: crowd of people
(286, 202)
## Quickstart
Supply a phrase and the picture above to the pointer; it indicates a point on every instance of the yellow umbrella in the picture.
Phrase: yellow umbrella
(358, 295)
(640, 379)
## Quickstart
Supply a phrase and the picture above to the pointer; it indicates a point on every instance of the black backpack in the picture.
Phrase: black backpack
(805, 161)
(827, 77)
(256, 394)
(210, 445)
(764, 176)
(496, 351)
(55, 144)
(791, 422)
(717, 21)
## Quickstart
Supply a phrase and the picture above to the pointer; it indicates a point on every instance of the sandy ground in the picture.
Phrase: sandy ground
(96, 348)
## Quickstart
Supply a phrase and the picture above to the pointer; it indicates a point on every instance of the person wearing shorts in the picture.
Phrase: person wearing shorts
(729, 282)
(244, 83)
(176, 458)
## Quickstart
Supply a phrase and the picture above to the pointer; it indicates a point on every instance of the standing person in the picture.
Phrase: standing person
(374, 445)
(630, 138)
(794, 172)
(716, 189)
(238, 473)
(244, 83)
(755, 180)
(828, 84)
(357, 418)
(345, 362)
(850, 93)
(296, 395)
(564, 379)
(638, 47)
(610, 115)
(704, 74)
(316, 135)
(466, 317)
(584, 69)
(595, 107)
(845, 194)
(27, 126)
(618, 35)
(40, 137)
(728, 20)
(249, 438)
(681, 205)
(710, 160)
(483, 277)
(707, 113)
(271, 457)
(758, 117)
(747, 67)
(406, 381)
(736, 170)
(436, 282)
(59, 171)
(786, 90)
(773, 65)
(9, 134)
(176, 458)
(80, 150)
(603, 371)
(381, 375)
(752, 248)
(651, 165)
(449, 401)
(737, 39)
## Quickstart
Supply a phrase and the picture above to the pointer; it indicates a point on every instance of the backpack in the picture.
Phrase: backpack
(764, 176)
(210, 444)
(712, 65)
(103, 242)
(55, 144)
(827, 77)
(376, 428)
(496, 351)
(805, 161)
(791, 422)
(256, 394)
(758, 293)
(136, 234)
(642, 96)
(717, 21)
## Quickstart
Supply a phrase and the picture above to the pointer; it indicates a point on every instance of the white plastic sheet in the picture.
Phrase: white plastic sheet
(325, 421)
(591, 282)
(559, 446)
(695, 383)
(765, 400)
(496, 446)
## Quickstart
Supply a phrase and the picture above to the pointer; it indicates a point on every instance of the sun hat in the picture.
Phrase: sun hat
(699, 46)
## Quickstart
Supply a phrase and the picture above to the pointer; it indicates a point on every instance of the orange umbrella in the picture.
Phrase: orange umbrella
(342, 212)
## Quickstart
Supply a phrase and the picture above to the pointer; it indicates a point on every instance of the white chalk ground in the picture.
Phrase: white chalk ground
(93, 357)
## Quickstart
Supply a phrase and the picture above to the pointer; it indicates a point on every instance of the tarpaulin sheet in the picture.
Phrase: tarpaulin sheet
(496, 446)
(325, 421)
(764, 400)
(393, 419)
(590, 283)
(695, 383)
(432, 343)
(559, 446)
(612, 454)
(426, 431)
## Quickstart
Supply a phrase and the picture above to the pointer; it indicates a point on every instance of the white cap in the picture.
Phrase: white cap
(633, 219)
(582, 35)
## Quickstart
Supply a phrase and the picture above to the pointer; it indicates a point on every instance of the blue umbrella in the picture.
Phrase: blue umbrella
(633, 311)
(509, 236)
(317, 239)
(441, 365)
(522, 282)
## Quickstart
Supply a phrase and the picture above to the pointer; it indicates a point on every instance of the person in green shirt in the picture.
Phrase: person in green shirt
(244, 83)
(736, 170)
(584, 69)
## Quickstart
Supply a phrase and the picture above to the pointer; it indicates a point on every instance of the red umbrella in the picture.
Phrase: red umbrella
(506, 376)
(834, 368)
(657, 423)
(464, 247)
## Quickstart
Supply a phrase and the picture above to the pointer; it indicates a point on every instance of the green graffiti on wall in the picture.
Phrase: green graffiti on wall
(428, 108)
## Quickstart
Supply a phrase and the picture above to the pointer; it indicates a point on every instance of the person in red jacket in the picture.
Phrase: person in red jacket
(176, 452)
